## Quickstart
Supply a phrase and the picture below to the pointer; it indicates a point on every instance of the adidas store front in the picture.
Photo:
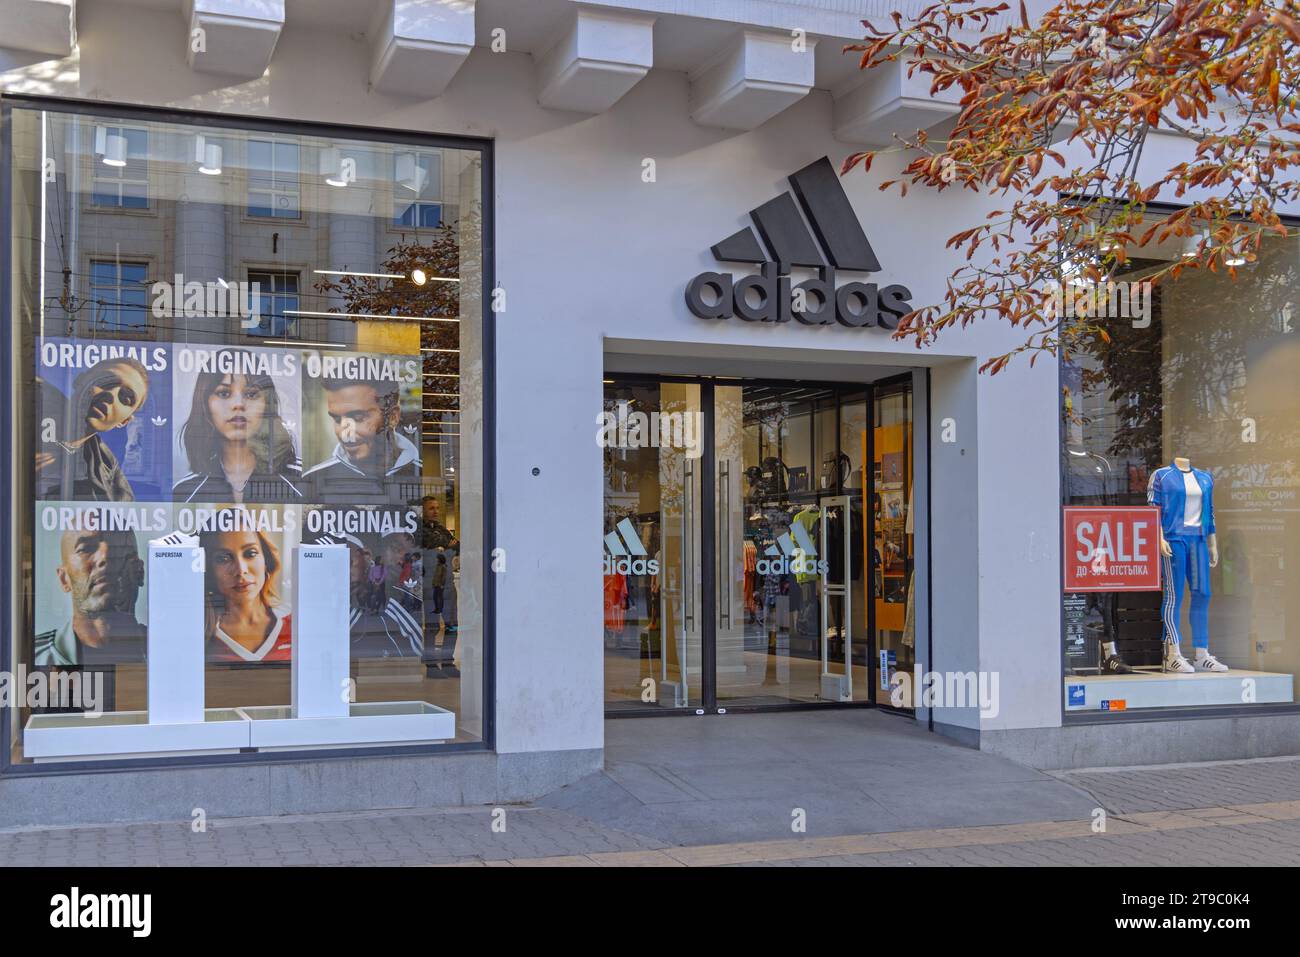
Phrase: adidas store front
(498, 309)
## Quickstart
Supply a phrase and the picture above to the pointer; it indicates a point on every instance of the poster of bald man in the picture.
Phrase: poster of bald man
(103, 414)
(89, 581)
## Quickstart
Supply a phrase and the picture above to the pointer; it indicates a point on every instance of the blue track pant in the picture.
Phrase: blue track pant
(1190, 566)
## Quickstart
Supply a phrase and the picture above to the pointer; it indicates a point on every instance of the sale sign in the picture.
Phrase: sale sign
(1112, 548)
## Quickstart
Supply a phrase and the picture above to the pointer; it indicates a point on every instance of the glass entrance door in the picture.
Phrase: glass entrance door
(751, 542)
(653, 445)
(791, 625)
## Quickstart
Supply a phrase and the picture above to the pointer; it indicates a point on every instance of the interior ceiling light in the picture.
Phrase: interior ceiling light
(1235, 254)
(114, 150)
(208, 156)
(418, 277)
(331, 167)
(409, 173)
(1192, 243)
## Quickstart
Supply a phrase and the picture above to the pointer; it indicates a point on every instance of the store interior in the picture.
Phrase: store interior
(811, 501)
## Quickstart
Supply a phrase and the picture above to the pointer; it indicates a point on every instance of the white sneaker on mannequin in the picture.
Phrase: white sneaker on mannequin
(1175, 663)
(1207, 662)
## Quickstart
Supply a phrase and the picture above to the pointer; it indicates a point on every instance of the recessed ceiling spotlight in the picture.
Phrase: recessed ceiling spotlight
(211, 163)
(115, 150)
(410, 174)
(418, 277)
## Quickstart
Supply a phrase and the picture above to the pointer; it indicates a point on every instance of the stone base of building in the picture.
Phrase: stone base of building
(1167, 740)
(289, 787)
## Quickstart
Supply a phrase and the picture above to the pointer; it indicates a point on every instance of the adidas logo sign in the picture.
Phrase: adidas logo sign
(769, 296)
(626, 555)
(797, 556)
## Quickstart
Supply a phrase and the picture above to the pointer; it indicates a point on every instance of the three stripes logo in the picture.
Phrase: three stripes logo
(840, 243)
(797, 555)
(625, 553)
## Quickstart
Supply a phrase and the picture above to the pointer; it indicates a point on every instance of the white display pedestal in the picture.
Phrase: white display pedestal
(175, 643)
(321, 644)
(1154, 689)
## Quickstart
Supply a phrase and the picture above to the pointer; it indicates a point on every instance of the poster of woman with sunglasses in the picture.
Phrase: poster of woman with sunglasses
(103, 429)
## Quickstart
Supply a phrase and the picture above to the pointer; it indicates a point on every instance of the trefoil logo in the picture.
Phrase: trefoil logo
(772, 296)
(797, 556)
(625, 554)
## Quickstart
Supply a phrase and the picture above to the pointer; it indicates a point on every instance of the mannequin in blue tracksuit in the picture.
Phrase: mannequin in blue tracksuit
(1188, 550)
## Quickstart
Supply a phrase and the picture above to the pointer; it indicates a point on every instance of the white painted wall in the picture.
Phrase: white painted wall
(587, 252)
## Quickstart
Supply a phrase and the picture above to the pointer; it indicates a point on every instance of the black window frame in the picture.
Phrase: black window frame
(1172, 713)
(200, 120)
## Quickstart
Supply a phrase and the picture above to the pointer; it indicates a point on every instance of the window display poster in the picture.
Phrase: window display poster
(361, 418)
(126, 429)
(89, 580)
(892, 467)
(389, 575)
(1076, 613)
(247, 578)
(1112, 548)
(103, 420)
(241, 406)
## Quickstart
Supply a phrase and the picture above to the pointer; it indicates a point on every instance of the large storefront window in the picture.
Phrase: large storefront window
(1180, 453)
(247, 490)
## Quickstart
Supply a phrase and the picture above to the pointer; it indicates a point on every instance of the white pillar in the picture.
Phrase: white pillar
(321, 642)
(175, 680)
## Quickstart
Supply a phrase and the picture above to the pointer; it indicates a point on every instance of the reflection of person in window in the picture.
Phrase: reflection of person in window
(403, 577)
(69, 432)
(434, 534)
(237, 444)
(102, 573)
(241, 591)
(365, 414)
(378, 628)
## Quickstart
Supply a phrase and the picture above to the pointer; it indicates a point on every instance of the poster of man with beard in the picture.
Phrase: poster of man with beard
(361, 427)
(102, 420)
(90, 600)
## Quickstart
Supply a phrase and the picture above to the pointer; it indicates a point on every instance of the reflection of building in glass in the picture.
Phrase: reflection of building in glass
(191, 276)
(1212, 380)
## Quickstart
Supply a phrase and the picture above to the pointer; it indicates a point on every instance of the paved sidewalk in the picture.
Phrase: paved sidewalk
(1174, 786)
(870, 789)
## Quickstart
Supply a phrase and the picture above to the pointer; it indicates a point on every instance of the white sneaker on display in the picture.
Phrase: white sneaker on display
(1178, 665)
(1210, 663)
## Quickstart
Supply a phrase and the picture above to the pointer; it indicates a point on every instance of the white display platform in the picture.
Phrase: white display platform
(1154, 689)
(320, 714)
(62, 737)
(374, 722)
(129, 734)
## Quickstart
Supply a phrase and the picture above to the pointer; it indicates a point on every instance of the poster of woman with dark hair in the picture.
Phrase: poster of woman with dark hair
(237, 440)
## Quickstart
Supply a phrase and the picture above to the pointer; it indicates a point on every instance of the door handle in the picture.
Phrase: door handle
(724, 541)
